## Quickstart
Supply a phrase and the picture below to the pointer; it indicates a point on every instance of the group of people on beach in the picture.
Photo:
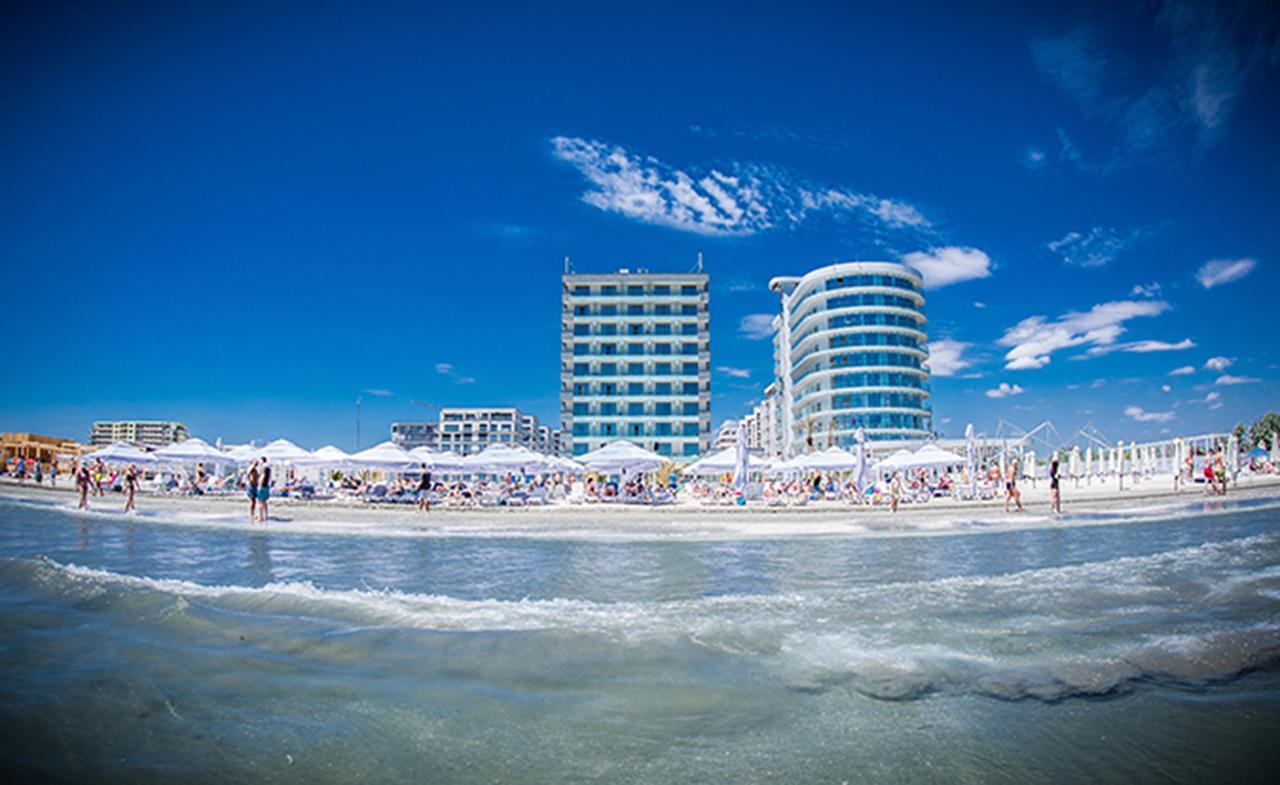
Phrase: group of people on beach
(22, 465)
(1215, 472)
(257, 484)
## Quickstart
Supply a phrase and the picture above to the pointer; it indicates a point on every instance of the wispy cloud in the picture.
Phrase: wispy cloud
(1004, 390)
(1219, 271)
(945, 266)
(1033, 340)
(1078, 62)
(1034, 158)
(732, 200)
(1185, 370)
(1219, 363)
(756, 326)
(1137, 413)
(378, 392)
(1141, 347)
(447, 369)
(737, 373)
(946, 357)
(1097, 247)
(1146, 290)
(1227, 379)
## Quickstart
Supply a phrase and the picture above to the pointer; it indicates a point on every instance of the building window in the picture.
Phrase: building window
(635, 328)
(662, 329)
(689, 328)
(635, 291)
(690, 388)
(662, 348)
(662, 409)
(662, 388)
(580, 349)
(582, 329)
(662, 310)
(662, 429)
(608, 369)
(635, 349)
(581, 429)
(635, 429)
(689, 369)
(608, 409)
(688, 290)
(635, 388)
(689, 310)
(690, 448)
(580, 448)
(582, 290)
(662, 369)
(635, 369)
(608, 429)
(635, 408)
(608, 329)
(689, 429)
(635, 309)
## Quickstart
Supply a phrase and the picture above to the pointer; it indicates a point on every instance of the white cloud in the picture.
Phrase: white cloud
(1004, 390)
(738, 199)
(1138, 414)
(1185, 370)
(1033, 158)
(946, 357)
(447, 369)
(1142, 347)
(979, 304)
(1035, 339)
(1095, 248)
(945, 266)
(1219, 271)
(1227, 379)
(1212, 396)
(1219, 363)
(737, 373)
(378, 392)
(1145, 290)
(756, 326)
(1165, 388)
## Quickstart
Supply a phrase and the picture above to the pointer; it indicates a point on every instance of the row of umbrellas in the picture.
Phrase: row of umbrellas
(620, 457)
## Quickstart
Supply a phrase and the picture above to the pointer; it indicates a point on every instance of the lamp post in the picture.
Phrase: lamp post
(359, 400)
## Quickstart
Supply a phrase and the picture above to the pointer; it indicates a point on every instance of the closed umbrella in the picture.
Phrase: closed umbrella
(741, 465)
(971, 459)
(860, 473)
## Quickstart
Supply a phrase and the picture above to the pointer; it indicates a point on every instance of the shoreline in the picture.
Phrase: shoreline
(1096, 505)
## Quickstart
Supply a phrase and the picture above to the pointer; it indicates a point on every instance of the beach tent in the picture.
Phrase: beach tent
(723, 462)
(282, 451)
(502, 458)
(832, 459)
(444, 462)
(893, 462)
(245, 453)
(327, 457)
(931, 456)
(387, 456)
(193, 451)
(122, 452)
(622, 457)
(561, 464)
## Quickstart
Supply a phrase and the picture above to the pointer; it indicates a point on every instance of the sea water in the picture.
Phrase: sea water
(1133, 648)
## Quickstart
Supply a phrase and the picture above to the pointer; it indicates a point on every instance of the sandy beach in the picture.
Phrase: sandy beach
(1093, 503)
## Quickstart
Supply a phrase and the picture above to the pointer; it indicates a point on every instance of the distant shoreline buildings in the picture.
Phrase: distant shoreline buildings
(467, 430)
(140, 433)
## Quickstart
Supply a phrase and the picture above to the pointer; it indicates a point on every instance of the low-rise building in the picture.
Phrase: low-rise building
(37, 447)
(470, 429)
(140, 433)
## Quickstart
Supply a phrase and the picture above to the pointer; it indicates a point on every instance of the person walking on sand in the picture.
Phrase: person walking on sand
(82, 485)
(131, 486)
(53, 472)
(264, 490)
(1220, 472)
(99, 471)
(1011, 486)
(1055, 494)
(424, 491)
(251, 490)
(895, 491)
(39, 472)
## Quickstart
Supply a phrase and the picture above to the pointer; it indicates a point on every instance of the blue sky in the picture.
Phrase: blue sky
(245, 217)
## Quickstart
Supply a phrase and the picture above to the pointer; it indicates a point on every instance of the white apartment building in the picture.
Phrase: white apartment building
(470, 429)
(636, 361)
(144, 433)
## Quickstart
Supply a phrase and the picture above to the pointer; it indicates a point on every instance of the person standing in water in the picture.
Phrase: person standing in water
(82, 485)
(53, 472)
(895, 491)
(264, 490)
(251, 489)
(39, 472)
(1055, 494)
(424, 490)
(131, 486)
(1011, 486)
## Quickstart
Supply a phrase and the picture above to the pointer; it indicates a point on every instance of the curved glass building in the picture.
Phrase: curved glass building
(850, 352)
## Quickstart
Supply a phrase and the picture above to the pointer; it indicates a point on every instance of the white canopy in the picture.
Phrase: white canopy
(446, 462)
(387, 456)
(562, 464)
(622, 456)
(502, 458)
(122, 452)
(931, 455)
(832, 459)
(895, 461)
(244, 453)
(282, 451)
(328, 456)
(192, 451)
(724, 462)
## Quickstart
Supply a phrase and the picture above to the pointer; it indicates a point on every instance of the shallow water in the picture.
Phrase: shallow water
(1136, 647)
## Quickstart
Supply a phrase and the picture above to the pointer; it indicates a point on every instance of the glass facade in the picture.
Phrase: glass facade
(635, 361)
(851, 353)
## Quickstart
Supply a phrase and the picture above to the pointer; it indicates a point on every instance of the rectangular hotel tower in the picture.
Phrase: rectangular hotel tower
(635, 361)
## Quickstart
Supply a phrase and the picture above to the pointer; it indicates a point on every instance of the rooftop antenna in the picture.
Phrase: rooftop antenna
(699, 261)
(568, 266)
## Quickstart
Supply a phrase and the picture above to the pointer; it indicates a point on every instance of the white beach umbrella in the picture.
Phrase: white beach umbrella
(283, 451)
(1233, 454)
(122, 452)
(1275, 448)
(742, 458)
(327, 457)
(563, 464)
(503, 458)
(860, 473)
(722, 462)
(894, 461)
(832, 459)
(245, 453)
(622, 457)
(443, 462)
(193, 451)
(931, 456)
(387, 456)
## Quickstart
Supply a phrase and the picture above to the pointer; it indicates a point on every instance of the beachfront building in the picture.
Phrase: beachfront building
(763, 425)
(850, 352)
(470, 429)
(37, 447)
(140, 433)
(636, 361)
(726, 436)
